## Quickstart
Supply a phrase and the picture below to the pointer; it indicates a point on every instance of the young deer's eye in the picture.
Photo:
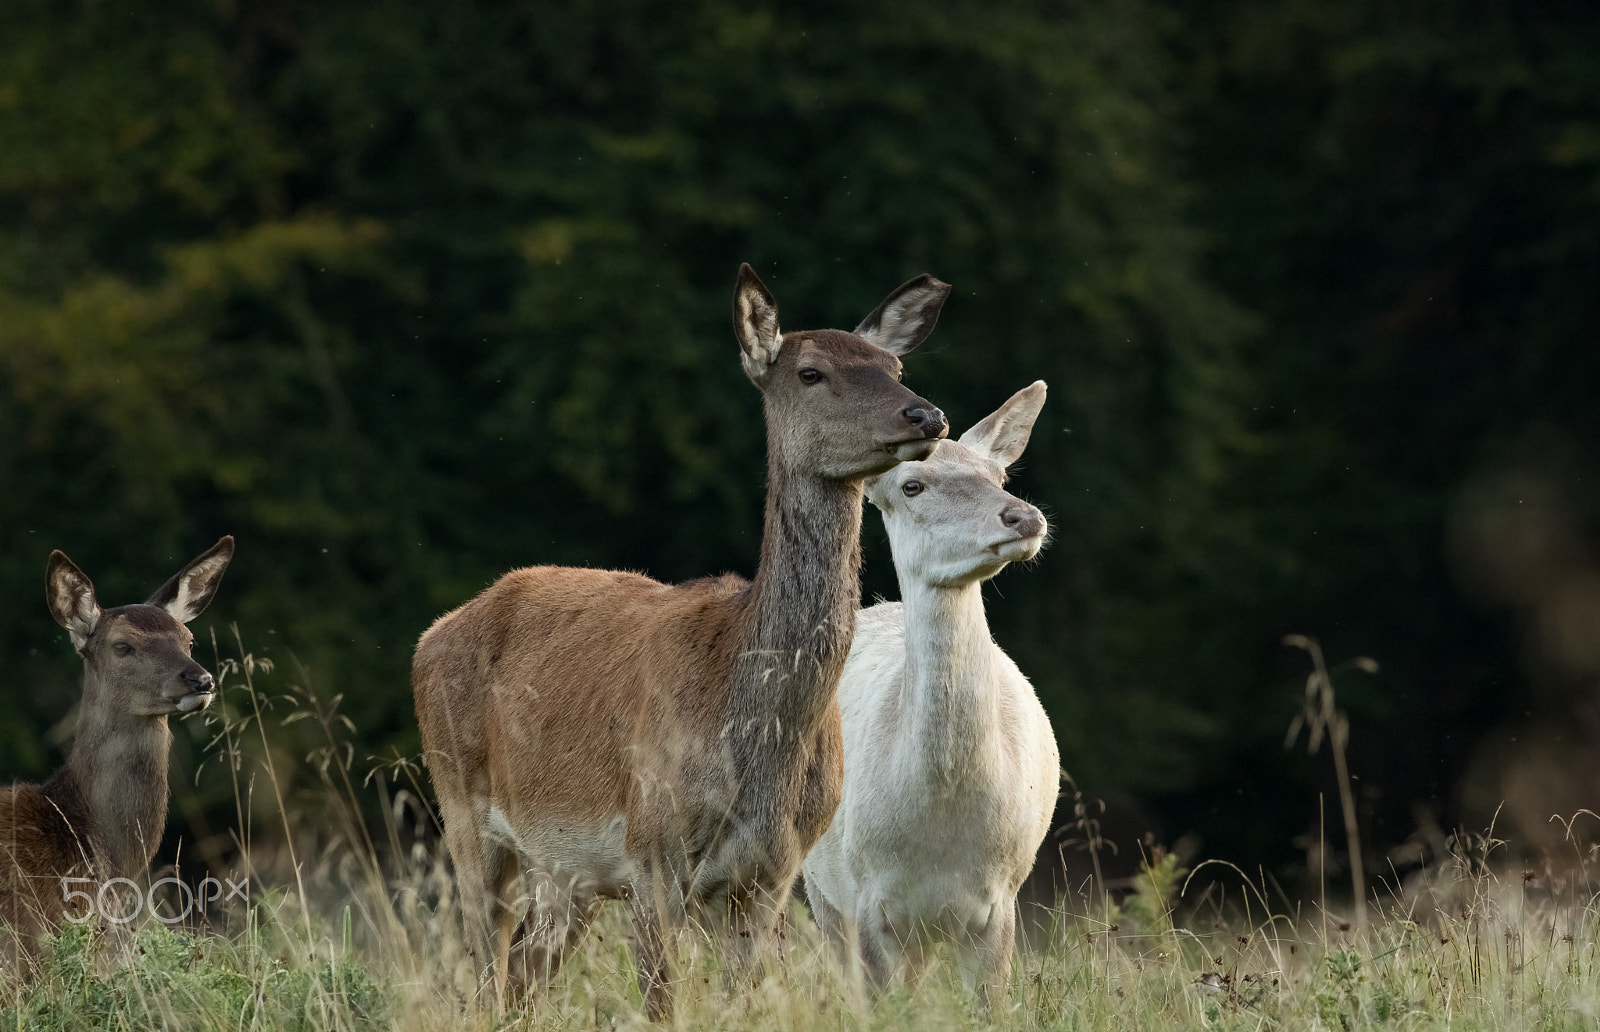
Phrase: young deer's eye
(912, 488)
(810, 376)
(122, 648)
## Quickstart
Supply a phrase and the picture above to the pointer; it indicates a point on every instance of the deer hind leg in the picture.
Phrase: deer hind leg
(554, 927)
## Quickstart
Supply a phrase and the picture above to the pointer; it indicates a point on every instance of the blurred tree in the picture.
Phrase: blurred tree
(404, 295)
(1406, 193)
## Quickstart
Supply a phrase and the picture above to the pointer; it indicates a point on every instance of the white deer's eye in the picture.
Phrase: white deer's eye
(912, 488)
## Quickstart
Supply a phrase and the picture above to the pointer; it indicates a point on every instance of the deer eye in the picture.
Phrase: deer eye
(912, 488)
(810, 376)
(122, 648)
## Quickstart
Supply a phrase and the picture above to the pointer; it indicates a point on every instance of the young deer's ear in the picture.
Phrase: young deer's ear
(70, 596)
(906, 317)
(1003, 434)
(187, 593)
(755, 323)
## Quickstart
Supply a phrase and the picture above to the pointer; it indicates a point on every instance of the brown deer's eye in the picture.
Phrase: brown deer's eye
(122, 648)
(912, 488)
(810, 376)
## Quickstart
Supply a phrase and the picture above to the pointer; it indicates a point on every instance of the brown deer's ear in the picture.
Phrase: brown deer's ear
(1004, 433)
(906, 317)
(192, 588)
(755, 323)
(70, 596)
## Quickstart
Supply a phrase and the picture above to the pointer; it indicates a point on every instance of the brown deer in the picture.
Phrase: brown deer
(606, 736)
(101, 816)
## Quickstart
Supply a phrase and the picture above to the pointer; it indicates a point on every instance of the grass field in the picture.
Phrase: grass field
(343, 932)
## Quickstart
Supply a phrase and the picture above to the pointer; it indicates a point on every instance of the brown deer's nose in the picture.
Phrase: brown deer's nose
(927, 419)
(1026, 520)
(199, 680)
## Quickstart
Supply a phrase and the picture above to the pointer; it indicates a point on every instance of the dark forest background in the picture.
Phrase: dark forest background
(404, 295)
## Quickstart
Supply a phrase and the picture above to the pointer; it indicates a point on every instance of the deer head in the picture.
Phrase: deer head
(950, 521)
(835, 406)
(136, 657)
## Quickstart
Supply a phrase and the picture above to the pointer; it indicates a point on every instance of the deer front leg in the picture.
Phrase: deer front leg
(882, 953)
(552, 929)
(757, 917)
(484, 874)
(986, 960)
(659, 914)
(831, 923)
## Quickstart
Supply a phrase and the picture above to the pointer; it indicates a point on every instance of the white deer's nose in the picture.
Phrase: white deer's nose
(1025, 520)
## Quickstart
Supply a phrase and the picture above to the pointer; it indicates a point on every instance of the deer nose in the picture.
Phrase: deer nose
(927, 419)
(199, 680)
(1026, 520)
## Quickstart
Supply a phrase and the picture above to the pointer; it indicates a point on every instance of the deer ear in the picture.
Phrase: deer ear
(755, 323)
(1003, 434)
(906, 316)
(192, 588)
(876, 488)
(70, 596)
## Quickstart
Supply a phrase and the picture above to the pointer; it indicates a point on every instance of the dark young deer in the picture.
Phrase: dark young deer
(604, 735)
(101, 816)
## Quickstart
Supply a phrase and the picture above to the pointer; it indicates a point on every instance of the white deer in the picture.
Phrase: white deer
(951, 769)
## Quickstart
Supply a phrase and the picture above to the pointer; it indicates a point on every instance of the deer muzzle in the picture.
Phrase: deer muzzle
(202, 689)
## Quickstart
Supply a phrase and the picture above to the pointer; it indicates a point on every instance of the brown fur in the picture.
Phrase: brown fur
(699, 717)
(102, 815)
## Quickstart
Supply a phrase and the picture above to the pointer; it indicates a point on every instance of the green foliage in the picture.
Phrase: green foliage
(179, 980)
(1155, 893)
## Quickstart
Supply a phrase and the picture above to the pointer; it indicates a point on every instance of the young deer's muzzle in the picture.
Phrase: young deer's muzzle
(196, 689)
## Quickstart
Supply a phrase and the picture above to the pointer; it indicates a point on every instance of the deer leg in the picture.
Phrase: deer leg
(881, 953)
(547, 936)
(659, 913)
(986, 959)
(831, 923)
(753, 931)
(484, 872)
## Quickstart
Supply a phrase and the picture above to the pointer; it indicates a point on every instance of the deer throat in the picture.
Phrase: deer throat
(120, 767)
(949, 677)
(800, 620)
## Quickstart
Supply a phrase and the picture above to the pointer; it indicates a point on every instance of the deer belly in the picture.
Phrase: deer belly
(581, 857)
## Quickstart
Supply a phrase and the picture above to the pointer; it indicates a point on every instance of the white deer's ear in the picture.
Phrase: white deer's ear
(70, 596)
(906, 317)
(755, 323)
(187, 593)
(1004, 433)
(877, 486)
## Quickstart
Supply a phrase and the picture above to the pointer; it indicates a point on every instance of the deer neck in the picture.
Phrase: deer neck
(119, 764)
(950, 703)
(802, 613)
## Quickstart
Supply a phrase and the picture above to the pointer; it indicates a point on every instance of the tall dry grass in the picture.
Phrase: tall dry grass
(351, 922)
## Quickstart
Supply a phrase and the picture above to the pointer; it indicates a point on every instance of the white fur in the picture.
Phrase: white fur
(951, 769)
